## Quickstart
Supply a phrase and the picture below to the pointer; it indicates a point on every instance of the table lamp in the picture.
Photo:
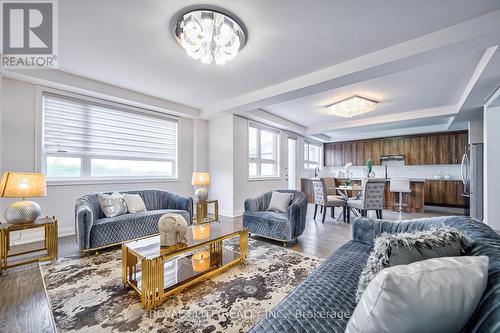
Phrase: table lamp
(201, 179)
(22, 185)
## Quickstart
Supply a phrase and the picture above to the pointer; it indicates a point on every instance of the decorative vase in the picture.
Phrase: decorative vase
(172, 228)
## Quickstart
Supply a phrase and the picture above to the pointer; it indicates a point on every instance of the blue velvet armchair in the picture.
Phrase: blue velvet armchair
(94, 230)
(275, 225)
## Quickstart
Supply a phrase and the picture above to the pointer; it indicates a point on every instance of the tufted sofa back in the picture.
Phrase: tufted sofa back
(153, 199)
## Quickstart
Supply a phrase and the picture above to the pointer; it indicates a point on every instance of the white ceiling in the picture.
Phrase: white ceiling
(433, 85)
(129, 43)
(416, 57)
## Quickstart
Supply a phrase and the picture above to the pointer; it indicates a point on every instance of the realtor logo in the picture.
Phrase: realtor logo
(29, 34)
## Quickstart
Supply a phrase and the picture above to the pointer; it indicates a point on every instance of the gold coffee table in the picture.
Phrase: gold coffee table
(156, 272)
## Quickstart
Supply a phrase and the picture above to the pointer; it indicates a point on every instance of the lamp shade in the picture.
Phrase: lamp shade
(23, 185)
(200, 179)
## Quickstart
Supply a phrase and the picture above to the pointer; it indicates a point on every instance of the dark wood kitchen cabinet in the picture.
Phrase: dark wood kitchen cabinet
(445, 193)
(440, 148)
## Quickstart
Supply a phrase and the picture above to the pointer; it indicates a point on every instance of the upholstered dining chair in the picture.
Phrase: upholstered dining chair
(372, 197)
(330, 184)
(324, 200)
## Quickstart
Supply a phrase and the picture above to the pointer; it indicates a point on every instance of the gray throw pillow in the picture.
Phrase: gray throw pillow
(280, 201)
(134, 202)
(112, 205)
(405, 248)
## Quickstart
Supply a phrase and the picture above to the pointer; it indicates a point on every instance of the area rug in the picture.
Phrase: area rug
(86, 294)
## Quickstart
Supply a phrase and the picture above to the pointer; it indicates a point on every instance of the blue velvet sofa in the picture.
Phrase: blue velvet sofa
(321, 303)
(95, 230)
(275, 225)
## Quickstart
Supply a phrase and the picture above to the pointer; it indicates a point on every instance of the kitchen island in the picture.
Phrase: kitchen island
(415, 200)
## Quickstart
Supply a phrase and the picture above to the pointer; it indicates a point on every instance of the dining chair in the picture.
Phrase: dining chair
(372, 197)
(324, 200)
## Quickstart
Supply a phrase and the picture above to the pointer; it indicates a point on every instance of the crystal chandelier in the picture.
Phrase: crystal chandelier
(208, 35)
(351, 107)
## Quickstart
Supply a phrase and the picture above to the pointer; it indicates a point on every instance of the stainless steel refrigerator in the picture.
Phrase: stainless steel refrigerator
(472, 178)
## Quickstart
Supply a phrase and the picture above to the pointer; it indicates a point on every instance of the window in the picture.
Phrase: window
(263, 151)
(312, 155)
(86, 139)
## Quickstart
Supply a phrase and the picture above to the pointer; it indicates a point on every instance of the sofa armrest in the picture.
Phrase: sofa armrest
(84, 219)
(251, 205)
(182, 203)
(363, 230)
(255, 204)
(297, 212)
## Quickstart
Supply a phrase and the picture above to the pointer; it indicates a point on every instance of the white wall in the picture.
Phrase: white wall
(491, 165)
(200, 145)
(228, 164)
(18, 154)
(220, 165)
(476, 128)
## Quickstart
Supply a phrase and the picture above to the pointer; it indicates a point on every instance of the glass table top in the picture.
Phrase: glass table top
(40, 222)
(150, 248)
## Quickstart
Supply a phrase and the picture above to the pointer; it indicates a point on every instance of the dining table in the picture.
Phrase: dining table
(343, 190)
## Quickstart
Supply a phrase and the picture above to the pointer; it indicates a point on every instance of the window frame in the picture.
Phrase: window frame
(259, 160)
(85, 176)
(307, 161)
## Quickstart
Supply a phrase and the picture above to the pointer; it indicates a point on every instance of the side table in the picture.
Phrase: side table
(50, 242)
(201, 213)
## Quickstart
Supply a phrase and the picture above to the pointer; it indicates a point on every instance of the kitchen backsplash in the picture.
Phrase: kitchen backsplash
(445, 171)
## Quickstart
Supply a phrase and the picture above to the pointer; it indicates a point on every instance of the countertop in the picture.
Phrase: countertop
(415, 180)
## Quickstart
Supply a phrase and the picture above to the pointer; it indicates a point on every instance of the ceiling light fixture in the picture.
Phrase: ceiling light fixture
(209, 35)
(351, 107)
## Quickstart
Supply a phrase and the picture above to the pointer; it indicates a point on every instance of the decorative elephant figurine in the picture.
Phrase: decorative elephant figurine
(173, 228)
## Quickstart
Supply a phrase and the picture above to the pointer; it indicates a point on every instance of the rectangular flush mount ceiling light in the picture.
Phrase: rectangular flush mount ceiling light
(351, 107)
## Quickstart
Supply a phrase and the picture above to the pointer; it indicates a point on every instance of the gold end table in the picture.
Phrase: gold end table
(202, 211)
(50, 242)
(156, 272)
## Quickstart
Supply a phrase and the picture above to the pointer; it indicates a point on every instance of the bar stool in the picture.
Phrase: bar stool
(400, 185)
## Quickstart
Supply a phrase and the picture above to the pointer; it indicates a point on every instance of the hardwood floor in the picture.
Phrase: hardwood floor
(24, 306)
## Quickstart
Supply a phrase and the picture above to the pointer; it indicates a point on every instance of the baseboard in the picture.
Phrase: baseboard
(227, 213)
(452, 210)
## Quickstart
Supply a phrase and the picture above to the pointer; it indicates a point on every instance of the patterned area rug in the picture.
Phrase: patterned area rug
(86, 294)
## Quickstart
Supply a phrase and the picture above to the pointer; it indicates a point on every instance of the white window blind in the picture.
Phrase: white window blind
(96, 132)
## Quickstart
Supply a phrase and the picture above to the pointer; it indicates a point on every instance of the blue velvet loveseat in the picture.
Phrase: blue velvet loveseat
(326, 299)
(95, 230)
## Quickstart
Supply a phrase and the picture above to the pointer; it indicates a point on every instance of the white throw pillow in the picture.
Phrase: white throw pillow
(135, 203)
(112, 205)
(280, 202)
(434, 295)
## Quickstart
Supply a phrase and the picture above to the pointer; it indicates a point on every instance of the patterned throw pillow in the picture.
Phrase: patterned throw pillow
(112, 205)
(405, 248)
